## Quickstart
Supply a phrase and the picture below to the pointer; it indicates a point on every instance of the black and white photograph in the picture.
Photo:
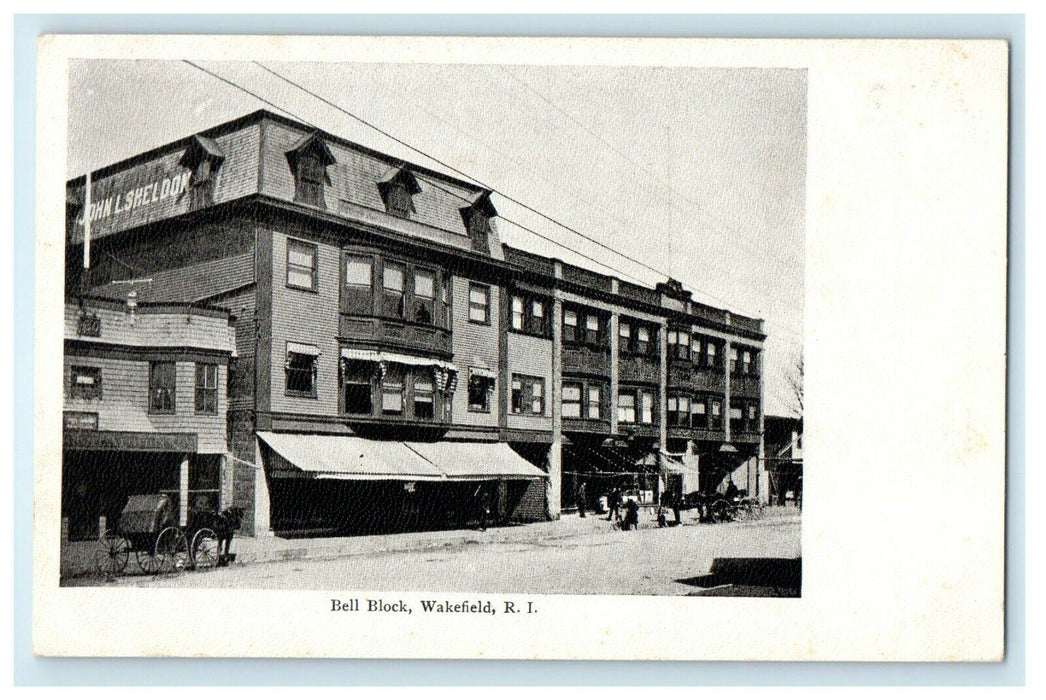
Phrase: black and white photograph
(494, 341)
(421, 327)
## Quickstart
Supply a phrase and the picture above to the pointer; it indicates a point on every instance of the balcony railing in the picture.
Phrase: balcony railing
(395, 333)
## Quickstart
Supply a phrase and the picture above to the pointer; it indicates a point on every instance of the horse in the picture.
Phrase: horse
(226, 524)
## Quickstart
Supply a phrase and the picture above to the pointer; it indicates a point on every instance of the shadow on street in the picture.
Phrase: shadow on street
(750, 577)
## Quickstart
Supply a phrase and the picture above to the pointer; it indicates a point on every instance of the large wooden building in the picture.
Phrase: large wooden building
(395, 362)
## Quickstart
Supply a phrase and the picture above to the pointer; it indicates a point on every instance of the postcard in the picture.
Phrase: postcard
(519, 348)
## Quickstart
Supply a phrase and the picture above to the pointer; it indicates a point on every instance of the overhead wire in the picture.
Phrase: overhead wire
(510, 221)
(460, 173)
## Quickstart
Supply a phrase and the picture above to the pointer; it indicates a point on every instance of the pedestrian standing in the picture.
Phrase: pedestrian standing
(631, 515)
(581, 493)
(614, 503)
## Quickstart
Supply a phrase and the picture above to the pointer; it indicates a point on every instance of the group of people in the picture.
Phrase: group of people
(614, 505)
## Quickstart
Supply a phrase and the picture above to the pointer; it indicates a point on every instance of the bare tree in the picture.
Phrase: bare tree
(795, 382)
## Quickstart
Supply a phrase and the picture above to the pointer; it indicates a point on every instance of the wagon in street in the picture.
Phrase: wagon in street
(149, 531)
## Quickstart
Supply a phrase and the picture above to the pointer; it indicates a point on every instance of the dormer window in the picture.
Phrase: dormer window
(203, 158)
(477, 216)
(398, 188)
(309, 160)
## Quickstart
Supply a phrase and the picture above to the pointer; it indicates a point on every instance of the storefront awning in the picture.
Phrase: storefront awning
(348, 457)
(397, 358)
(476, 460)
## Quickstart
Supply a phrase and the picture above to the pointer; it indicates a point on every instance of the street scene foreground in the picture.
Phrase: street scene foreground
(570, 556)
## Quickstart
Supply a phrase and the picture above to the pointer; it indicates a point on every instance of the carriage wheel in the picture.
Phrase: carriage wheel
(742, 512)
(204, 548)
(171, 551)
(112, 554)
(720, 511)
(147, 562)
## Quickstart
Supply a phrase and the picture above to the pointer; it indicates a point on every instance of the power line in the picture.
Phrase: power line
(459, 173)
(492, 189)
(510, 221)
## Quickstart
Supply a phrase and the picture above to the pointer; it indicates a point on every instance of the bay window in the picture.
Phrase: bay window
(393, 285)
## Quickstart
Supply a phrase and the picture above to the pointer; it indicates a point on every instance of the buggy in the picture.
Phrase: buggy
(148, 529)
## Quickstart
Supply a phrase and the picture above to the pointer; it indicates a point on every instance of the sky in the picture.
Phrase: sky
(697, 173)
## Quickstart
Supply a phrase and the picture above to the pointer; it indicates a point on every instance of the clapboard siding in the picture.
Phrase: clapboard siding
(303, 316)
(124, 404)
(146, 329)
(474, 345)
(237, 177)
(173, 263)
(531, 356)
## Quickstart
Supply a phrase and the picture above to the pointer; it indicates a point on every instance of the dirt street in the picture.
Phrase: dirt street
(651, 561)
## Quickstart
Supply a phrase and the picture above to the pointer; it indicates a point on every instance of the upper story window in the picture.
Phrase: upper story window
(715, 419)
(583, 326)
(392, 391)
(444, 293)
(309, 159)
(679, 345)
(424, 395)
(528, 395)
(678, 410)
(592, 326)
(711, 354)
(749, 363)
(736, 420)
(582, 400)
(394, 286)
(300, 369)
(644, 339)
(398, 188)
(206, 398)
(699, 413)
(161, 387)
(480, 387)
(570, 332)
(357, 378)
(359, 271)
(203, 158)
(626, 406)
(594, 404)
(647, 404)
(424, 295)
(477, 217)
(85, 383)
(529, 315)
(636, 338)
(301, 264)
(479, 303)
(572, 399)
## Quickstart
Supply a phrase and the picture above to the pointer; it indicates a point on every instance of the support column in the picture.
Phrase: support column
(183, 492)
(554, 485)
(662, 408)
(262, 523)
(615, 355)
(727, 349)
(762, 480)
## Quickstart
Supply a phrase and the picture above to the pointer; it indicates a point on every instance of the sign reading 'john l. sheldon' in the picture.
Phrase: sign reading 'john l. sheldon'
(157, 190)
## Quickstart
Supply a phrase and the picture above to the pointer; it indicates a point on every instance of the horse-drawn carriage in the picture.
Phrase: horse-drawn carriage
(148, 529)
(715, 507)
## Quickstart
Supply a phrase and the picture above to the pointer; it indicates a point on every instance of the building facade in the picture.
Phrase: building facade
(145, 404)
(396, 365)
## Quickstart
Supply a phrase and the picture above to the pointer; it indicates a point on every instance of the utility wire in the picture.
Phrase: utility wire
(479, 182)
(454, 170)
(461, 173)
(510, 221)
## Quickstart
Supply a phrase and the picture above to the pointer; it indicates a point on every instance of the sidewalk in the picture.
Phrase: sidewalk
(77, 557)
